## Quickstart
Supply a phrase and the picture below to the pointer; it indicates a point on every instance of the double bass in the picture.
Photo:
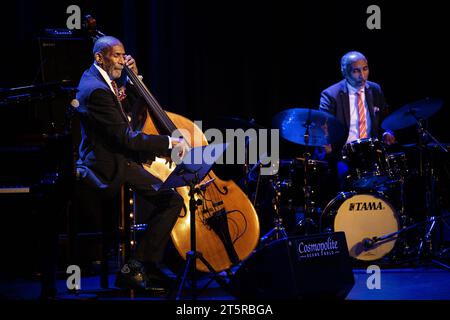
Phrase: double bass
(227, 226)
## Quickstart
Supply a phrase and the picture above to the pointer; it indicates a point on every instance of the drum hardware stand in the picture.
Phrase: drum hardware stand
(426, 170)
(402, 196)
(307, 189)
(426, 246)
(401, 184)
(278, 231)
(405, 219)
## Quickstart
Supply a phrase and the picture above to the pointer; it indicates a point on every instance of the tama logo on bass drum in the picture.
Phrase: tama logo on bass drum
(366, 206)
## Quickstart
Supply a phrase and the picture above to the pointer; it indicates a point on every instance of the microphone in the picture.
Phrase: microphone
(75, 103)
(184, 170)
(70, 114)
(369, 243)
(204, 185)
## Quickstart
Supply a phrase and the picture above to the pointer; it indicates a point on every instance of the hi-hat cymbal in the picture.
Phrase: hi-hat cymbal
(409, 114)
(323, 128)
(300, 161)
(431, 146)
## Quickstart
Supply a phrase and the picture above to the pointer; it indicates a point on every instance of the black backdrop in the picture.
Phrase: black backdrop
(251, 59)
(248, 59)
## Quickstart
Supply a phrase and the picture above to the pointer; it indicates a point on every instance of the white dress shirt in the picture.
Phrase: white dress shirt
(353, 133)
(108, 81)
(105, 76)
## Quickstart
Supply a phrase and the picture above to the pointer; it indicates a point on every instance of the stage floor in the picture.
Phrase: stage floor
(417, 283)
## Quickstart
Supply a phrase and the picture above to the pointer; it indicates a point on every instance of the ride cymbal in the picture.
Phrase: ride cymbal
(409, 114)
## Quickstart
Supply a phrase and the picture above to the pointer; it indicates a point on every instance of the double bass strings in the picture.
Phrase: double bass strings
(214, 195)
(166, 122)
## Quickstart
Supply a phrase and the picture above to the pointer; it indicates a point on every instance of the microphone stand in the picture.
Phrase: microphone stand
(373, 242)
(370, 243)
(246, 166)
(193, 254)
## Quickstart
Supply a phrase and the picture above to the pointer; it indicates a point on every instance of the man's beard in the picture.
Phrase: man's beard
(114, 73)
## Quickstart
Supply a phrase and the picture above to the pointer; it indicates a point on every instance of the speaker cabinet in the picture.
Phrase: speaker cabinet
(64, 58)
(305, 267)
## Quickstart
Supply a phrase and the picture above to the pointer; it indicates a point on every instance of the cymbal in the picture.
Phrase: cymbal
(408, 115)
(323, 128)
(431, 146)
(300, 161)
(410, 145)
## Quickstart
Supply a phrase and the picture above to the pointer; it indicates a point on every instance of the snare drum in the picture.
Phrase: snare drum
(362, 217)
(368, 166)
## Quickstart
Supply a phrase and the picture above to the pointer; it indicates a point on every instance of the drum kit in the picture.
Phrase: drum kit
(372, 211)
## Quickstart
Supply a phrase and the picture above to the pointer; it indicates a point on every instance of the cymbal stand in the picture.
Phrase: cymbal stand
(426, 246)
(406, 221)
(278, 231)
(308, 221)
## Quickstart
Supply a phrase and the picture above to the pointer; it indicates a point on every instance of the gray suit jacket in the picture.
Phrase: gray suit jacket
(335, 100)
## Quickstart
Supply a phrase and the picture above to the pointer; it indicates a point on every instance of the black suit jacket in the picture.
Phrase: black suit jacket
(335, 100)
(108, 143)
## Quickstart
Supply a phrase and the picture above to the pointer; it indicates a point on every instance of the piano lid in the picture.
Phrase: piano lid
(35, 92)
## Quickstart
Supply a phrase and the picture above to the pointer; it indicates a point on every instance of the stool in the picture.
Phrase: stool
(102, 219)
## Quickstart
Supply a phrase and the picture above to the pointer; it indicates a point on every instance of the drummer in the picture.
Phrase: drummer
(358, 104)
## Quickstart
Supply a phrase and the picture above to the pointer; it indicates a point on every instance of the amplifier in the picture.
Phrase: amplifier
(65, 59)
(305, 267)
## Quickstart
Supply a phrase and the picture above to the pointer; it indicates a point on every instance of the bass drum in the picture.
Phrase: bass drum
(362, 217)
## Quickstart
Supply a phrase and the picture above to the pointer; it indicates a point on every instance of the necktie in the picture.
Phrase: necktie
(116, 92)
(362, 116)
(115, 88)
(119, 95)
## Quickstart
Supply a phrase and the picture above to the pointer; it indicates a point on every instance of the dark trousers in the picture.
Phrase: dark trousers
(167, 203)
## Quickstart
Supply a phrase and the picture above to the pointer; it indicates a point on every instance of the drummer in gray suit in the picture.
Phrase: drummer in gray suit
(358, 104)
